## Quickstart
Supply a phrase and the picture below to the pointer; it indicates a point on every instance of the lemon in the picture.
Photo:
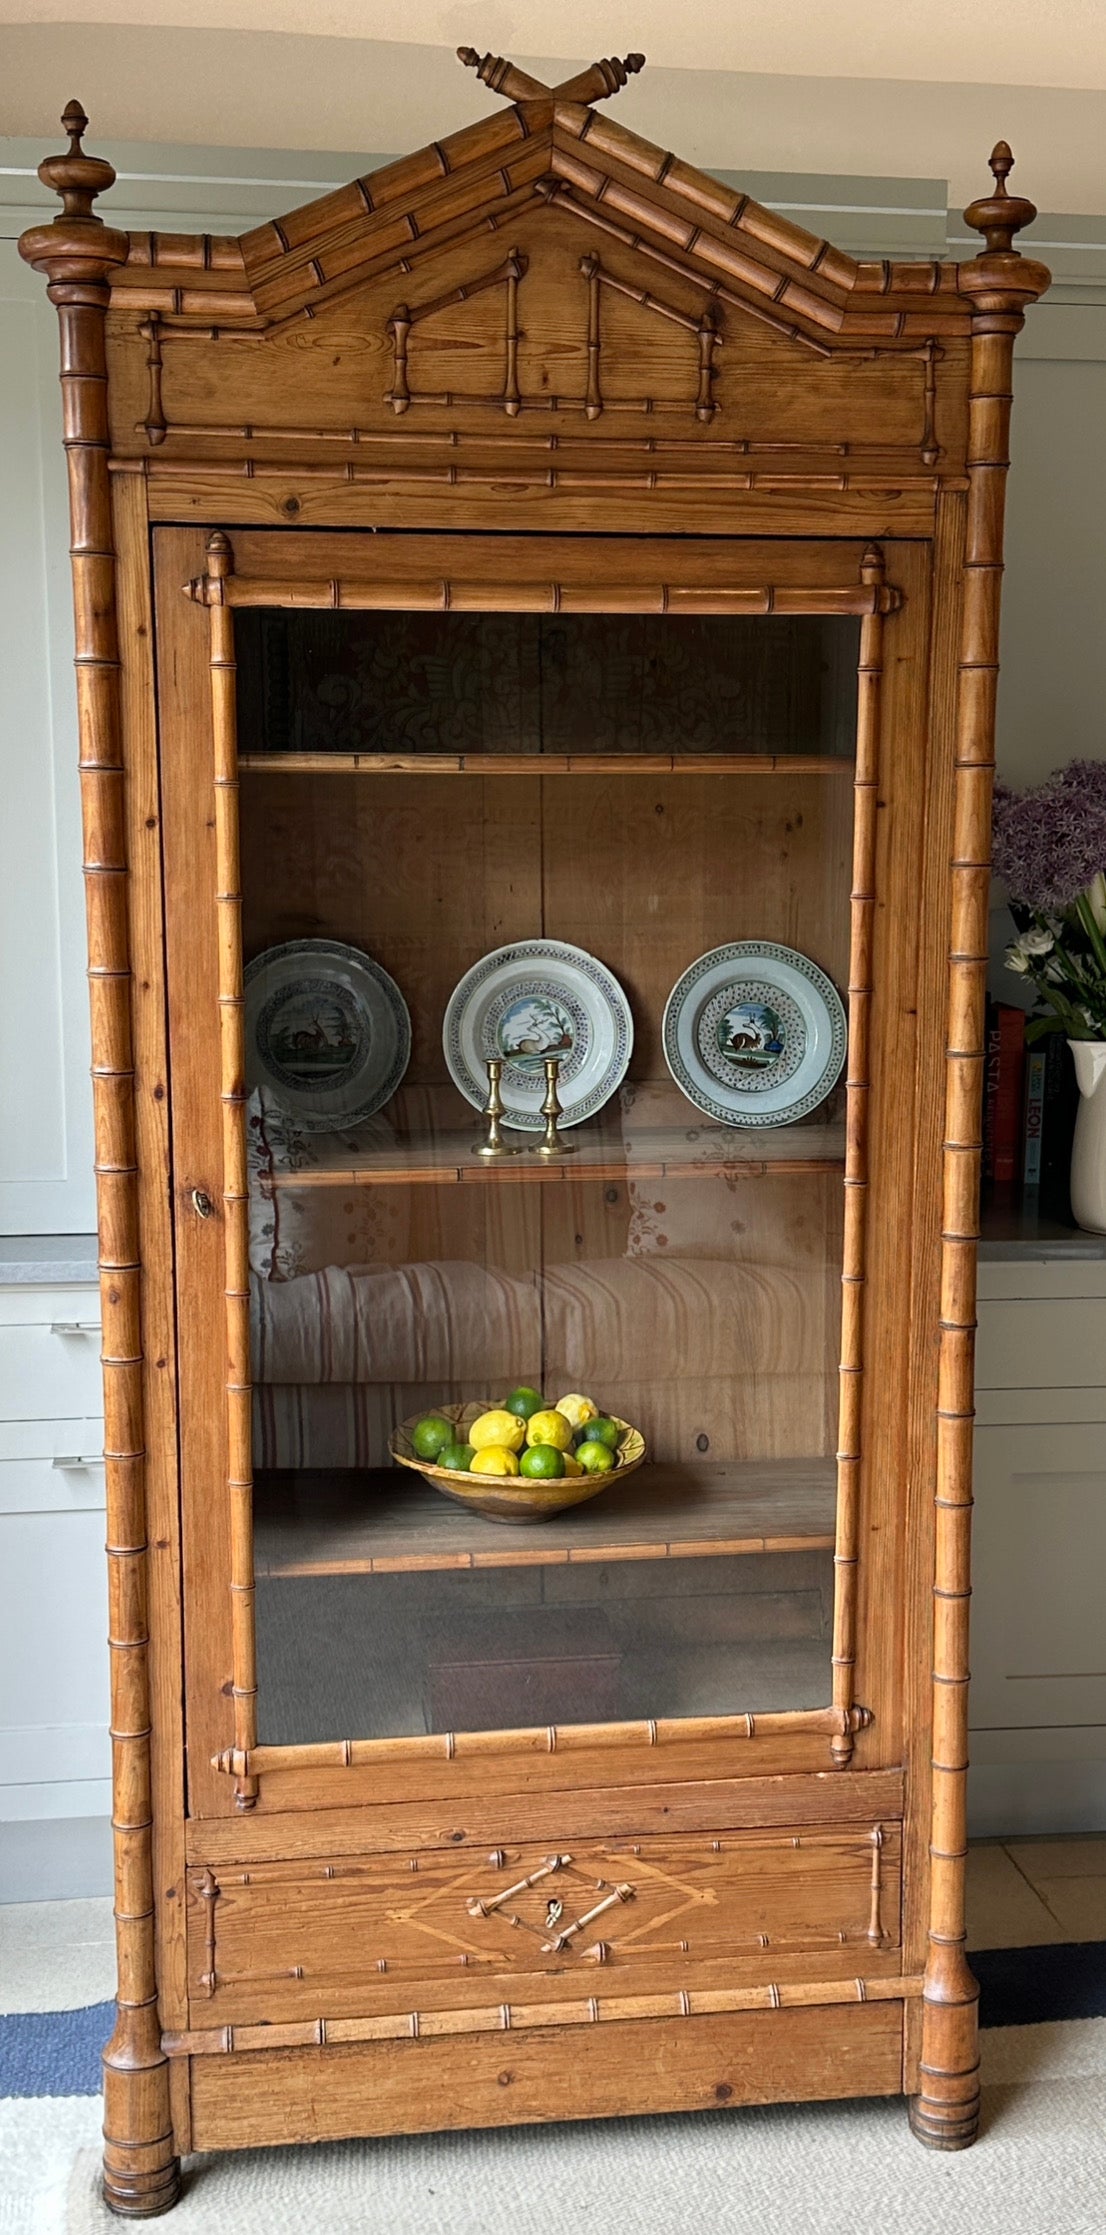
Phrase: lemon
(501, 1429)
(577, 1409)
(572, 1464)
(546, 1427)
(494, 1458)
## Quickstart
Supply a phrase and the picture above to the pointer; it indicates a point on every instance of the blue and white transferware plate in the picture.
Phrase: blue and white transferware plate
(755, 1034)
(530, 1001)
(327, 1030)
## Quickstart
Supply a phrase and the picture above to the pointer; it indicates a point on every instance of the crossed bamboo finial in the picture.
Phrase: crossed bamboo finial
(596, 83)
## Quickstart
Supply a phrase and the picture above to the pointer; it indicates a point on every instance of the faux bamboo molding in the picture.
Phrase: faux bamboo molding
(551, 1738)
(857, 1103)
(1000, 283)
(77, 253)
(521, 2017)
(236, 1209)
(350, 595)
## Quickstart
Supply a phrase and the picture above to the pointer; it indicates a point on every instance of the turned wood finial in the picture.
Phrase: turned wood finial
(1000, 215)
(77, 177)
(596, 83)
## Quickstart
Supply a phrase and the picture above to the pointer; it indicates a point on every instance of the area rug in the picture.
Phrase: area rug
(1039, 2167)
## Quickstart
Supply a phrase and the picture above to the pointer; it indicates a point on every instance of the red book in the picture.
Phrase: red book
(1009, 1096)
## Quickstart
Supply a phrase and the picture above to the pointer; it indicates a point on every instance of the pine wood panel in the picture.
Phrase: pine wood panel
(373, 1935)
(716, 1805)
(344, 1524)
(585, 2072)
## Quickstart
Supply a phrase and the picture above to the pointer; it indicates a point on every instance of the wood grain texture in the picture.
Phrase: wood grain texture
(77, 253)
(945, 2112)
(377, 1524)
(590, 2071)
(376, 1936)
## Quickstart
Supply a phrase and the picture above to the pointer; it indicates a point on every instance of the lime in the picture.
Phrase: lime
(542, 1463)
(498, 1427)
(494, 1459)
(457, 1456)
(523, 1402)
(595, 1458)
(549, 1427)
(604, 1431)
(432, 1436)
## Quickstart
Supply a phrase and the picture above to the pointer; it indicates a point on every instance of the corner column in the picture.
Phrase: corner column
(945, 2113)
(77, 252)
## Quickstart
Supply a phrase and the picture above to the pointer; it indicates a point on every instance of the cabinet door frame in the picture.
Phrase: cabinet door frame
(882, 1558)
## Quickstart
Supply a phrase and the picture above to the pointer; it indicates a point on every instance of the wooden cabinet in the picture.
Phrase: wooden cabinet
(536, 555)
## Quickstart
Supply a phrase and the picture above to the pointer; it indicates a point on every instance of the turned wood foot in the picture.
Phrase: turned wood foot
(134, 2190)
(942, 2125)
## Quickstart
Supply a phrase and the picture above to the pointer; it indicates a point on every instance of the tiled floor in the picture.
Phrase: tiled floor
(1028, 1893)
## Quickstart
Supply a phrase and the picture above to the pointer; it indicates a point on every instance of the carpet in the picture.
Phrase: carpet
(1039, 2167)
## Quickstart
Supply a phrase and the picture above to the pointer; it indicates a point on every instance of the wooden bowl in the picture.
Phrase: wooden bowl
(512, 1497)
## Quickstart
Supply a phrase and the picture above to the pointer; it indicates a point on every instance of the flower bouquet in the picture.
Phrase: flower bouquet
(1049, 848)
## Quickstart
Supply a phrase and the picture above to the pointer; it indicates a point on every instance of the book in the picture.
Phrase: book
(1061, 1102)
(990, 1089)
(1009, 1094)
(1036, 1066)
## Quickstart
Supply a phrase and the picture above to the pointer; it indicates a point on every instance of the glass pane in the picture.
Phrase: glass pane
(681, 1271)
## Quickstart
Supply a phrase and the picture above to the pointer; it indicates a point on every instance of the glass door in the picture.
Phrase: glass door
(548, 1151)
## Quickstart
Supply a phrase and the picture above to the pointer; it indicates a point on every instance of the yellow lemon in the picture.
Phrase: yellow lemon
(494, 1458)
(572, 1464)
(577, 1409)
(549, 1427)
(503, 1429)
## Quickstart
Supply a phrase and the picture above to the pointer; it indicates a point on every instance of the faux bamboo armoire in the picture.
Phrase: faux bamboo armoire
(534, 540)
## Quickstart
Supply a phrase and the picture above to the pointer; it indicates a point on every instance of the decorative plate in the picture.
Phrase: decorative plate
(513, 1497)
(755, 1034)
(528, 1002)
(327, 1029)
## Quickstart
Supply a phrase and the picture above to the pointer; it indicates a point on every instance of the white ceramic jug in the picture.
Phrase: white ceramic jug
(1088, 1155)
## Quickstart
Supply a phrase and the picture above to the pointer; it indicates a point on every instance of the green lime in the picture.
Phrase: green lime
(433, 1435)
(523, 1402)
(595, 1458)
(542, 1462)
(458, 1456)
(603, 1431)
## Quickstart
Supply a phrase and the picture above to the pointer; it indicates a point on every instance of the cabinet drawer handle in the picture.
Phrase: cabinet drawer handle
(74, 1326)
(66, 1464)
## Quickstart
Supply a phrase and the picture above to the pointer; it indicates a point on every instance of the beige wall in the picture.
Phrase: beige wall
(247, 88)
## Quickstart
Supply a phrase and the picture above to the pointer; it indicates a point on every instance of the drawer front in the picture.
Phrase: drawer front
(1058, 1343)
(438, 1931)
(52, 1371)
(51, 1466)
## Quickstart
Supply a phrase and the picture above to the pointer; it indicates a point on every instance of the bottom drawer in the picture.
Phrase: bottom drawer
(439, 1931)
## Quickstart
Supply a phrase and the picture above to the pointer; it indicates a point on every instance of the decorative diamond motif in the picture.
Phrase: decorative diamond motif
(532, 1906)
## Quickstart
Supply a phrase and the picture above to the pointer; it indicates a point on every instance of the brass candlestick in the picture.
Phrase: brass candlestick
(493, 1145)
(552, 1144)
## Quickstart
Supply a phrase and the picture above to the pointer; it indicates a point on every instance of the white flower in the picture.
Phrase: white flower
(1037, 942)
(1017, 959)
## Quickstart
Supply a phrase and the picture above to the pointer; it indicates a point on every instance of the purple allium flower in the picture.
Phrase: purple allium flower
(1050, 842)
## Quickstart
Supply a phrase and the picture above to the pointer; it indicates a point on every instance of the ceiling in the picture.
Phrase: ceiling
(1060, 43)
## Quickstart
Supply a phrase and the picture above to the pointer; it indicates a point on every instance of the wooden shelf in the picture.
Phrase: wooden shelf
(385, 1523)
(546, 764)
(703, 1151)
